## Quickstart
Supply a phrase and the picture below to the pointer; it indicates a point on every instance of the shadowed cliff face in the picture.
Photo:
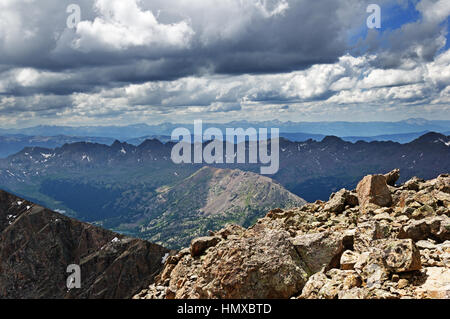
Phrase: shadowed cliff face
(381, 240)
(37, 245)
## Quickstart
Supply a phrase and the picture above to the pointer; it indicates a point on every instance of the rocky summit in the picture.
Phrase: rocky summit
(37, 245)
(380, 240)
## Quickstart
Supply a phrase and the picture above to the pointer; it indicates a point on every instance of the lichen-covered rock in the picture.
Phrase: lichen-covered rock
(353, 293)
(399, 255)
(413, 184)
(367, 232)
(336, 204)
(314, 287)
(370, 266)
(230, 230)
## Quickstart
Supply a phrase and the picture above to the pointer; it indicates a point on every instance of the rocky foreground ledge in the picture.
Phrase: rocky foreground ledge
(378, 241)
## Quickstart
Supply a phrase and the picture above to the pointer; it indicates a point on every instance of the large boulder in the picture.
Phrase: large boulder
(371, 268)
(259, 263)
(340, 200)
(399, 255)
(373, 189)
(385, 257)
(319, 250)
(413, 184)
(432, 227)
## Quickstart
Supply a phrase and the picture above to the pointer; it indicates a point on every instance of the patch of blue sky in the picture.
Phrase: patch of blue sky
(393, 16)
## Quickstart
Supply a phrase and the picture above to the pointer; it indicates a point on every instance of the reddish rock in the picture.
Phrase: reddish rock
(199, 245)
(373, 189)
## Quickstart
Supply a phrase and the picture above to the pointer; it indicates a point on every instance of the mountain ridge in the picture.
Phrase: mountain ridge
(301, 163)
(11, 144)
(107, 185)
(207, 200)
(37, 245)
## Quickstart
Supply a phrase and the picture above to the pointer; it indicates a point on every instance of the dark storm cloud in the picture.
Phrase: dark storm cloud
(139, 59)
(263, 37)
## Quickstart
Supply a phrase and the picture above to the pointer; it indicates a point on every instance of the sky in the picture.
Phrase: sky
(154, 61)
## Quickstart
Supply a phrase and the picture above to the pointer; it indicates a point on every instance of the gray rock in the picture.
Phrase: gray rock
(319, 250)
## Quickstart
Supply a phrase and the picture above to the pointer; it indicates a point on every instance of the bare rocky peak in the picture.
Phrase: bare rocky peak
(378, 241)
(209, 199)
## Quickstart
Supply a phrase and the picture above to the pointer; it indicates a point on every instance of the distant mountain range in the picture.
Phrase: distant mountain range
(135, 189)
(139, 191)
(341, 129)
(399, 138)
(11, 144)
